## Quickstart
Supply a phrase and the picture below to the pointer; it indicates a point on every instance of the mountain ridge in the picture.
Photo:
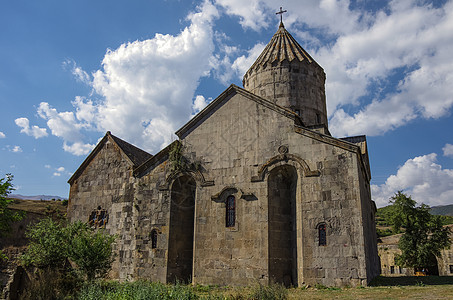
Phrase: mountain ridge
(35, 197)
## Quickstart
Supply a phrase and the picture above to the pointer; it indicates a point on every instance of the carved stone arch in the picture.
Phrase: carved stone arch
(226, 191)
(322, 223)
(196, 175)
(321, 236)
(284, 159)
(182, 190)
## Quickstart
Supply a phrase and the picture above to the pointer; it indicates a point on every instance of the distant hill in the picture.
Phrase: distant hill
(443, 210)
(384, 223)
(44, 207)
(37, 197)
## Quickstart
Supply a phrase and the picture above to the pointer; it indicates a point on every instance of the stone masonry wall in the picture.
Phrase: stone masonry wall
(237, 148)
(152, 213)
(334, 199)
(445, 262)
(232, 145)
(298, 85)
(107, 182)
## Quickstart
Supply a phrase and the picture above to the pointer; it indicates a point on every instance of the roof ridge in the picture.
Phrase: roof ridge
(135, 154)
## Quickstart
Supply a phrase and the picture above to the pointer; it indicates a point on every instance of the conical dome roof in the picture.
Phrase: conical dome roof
(282, 46)
(287, 75)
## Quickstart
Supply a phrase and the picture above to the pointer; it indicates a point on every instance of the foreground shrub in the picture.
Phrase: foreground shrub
(49, 283)
(53, 244)
(64, 255)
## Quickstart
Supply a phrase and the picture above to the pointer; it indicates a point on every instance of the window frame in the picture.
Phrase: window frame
(322, 234)
(153, 237)
(230, 211)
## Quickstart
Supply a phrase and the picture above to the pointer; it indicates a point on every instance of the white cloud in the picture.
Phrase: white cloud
(225, 70)
(15, 149)
(78, 148)
(60, 169)
(85, 111)
(448, 150)
(221, 63)
(47, 166)
(422, 178)
(244, 62)
(199, 103)
(66, 126)
(252, 13)
(77, 71)
(333, 16)
(33, 131)
(56, 174)
(361, 51)
(61, 124)
(148, 86)
(410, 40)
(2, 135)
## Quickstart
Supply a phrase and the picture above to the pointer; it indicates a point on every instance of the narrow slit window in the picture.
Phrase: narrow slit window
(230, 211)
(322, 234)
(154, 239)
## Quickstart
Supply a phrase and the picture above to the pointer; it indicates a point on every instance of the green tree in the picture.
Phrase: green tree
(7, 216)
(92, 252)
(424, 236)
(53, 244)
(48, 246)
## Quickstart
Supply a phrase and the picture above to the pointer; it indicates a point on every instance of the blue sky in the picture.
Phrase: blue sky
(71, 70)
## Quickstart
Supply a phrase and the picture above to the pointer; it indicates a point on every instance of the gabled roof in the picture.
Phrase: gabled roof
(282, 46)
(222, 98)
(154, 160)
(134, 155)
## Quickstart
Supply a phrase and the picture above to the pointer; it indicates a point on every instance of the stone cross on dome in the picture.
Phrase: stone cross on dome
(281, 12)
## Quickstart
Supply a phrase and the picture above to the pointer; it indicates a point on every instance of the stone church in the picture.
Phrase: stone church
(255, 190)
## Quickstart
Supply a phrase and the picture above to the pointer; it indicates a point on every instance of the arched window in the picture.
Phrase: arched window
(230, 211)
(322, 234)
(98, 218)
(154, 239)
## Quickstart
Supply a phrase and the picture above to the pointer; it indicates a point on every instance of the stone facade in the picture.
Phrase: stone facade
(253, 191)
(388, 249)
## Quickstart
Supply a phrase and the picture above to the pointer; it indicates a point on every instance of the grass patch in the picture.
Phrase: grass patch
(110, 290)
(429, 287)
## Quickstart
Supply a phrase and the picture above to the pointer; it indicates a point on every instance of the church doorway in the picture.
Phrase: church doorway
(431, 268)
(282, 184)
(180, 242)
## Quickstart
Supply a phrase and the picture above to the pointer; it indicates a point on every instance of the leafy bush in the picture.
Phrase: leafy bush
(53, 244)
(7, 216)
(92, 252)
(48, 246)
(51, 284)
